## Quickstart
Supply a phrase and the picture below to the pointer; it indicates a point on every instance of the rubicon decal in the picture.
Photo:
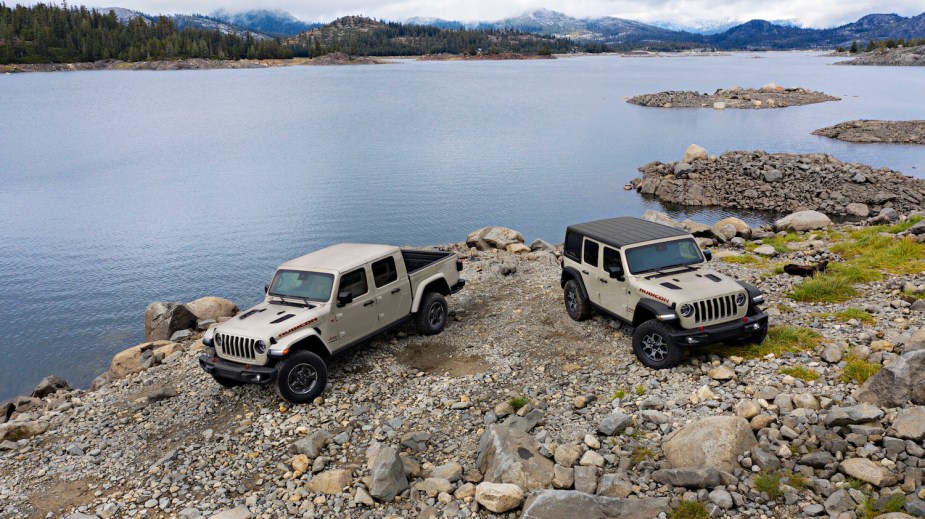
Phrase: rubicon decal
(653, 295)
(299, 327)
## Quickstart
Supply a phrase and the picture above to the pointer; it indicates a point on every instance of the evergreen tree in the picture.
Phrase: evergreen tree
(854, 48)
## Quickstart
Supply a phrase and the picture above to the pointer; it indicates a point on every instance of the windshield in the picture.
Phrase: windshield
(663, 255)
(314, 286)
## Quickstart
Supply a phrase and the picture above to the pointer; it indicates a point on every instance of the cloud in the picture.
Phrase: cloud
(809, 13)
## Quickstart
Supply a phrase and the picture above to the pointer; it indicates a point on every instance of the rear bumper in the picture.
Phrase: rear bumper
(721, 332)
(458, 286)
(245, 373)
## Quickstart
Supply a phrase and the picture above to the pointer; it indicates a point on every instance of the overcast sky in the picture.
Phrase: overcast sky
(809, 13)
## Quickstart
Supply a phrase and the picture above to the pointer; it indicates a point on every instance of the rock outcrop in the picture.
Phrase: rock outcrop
(488, 238)
(162, 320)
(901, 381)
(212, 308)
(712, 442)
(768, 96)
(780, 182)
(868, 131)
(507, 455)
(556, 504)
(905, 57)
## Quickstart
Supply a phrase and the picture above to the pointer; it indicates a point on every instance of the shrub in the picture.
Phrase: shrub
(855, 313)
(690, 510)
(858, 370)
(517, 402)
(769, 483)
(641, 454)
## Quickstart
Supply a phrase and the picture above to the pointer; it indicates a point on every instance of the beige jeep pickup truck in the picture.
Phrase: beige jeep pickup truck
(656, 278)
(323, 304)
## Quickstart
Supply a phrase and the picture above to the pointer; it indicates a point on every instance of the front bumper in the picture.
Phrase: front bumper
(735, 330)
(245, 373)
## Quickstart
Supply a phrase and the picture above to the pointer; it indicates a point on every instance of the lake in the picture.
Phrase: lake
(121, 188)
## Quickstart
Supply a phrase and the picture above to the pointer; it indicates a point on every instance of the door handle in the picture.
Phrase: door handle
(368, 302)
(396, 290)
(585, 272)
(602, 280)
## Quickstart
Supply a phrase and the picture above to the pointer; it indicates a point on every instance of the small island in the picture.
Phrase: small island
(890, 57)
(866, 131)
(768, 96)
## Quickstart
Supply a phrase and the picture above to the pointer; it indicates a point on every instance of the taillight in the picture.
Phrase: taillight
(459, 265)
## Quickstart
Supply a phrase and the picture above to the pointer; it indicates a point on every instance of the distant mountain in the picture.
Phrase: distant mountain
(437, 22)
(708, 27)
(275, 22)
(189, 21)
(878, 27)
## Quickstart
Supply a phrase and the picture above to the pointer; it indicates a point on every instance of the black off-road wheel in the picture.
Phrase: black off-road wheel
(228, 383)
(653, 346)
(301, 377)
(576, 304)
(432, 314)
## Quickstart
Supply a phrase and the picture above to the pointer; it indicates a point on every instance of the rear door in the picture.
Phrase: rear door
(591, 271)
(393, 290)
(357, 319)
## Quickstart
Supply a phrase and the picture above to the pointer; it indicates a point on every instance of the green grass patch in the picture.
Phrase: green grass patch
(852, 273)
(619, 394)
(800, 372)
(517, 402)
(882, 253)
(781, 339)
(640, 390)
(778, 242)
(769, 483)
(894, 503)
(690, 510)
(824, 288)
(740, 260)
(858, 370)
(641, 454)
(785, 308)
(855, 313)
(856, 484)
(796, 480)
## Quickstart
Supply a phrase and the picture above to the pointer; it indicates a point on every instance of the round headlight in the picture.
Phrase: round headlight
(740, 299)
(217, 339)
(260, 347)
(686, 310)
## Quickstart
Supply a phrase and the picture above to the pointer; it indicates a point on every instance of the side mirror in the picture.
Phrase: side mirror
(708, 254)
(266, 289)
(615, 271)
(344, 298)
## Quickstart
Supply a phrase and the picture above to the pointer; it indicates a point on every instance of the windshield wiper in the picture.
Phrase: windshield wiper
(661, 271)
(290, 303)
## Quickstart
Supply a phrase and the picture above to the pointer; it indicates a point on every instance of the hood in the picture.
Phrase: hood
(269, 320)
(686, 286)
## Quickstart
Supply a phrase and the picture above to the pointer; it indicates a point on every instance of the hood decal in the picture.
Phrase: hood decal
(299, 327)
(654, 295)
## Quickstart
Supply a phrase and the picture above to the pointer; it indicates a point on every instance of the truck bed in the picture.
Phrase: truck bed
(415, 260)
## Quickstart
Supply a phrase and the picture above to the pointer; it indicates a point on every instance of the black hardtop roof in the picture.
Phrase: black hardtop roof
(625, 230)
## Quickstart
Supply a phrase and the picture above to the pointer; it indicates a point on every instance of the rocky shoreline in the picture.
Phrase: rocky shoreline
(336, 58)
(515, 410)
(867, 131)
(905, 57)
(779, 182)
(768, 96)
(502, 56)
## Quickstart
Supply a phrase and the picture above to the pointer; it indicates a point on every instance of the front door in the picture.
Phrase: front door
(614, 295)
(357, 319)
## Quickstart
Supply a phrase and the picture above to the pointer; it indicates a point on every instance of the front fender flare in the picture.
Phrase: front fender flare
(660, 311)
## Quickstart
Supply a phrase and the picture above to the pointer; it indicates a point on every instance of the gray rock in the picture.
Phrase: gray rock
(832, 354)
(713, 442)
(857, 209)
(162, 393)
(869, 471)
(586, 479)
(387, 476)
(910, 423)
(803, 221)
(614, 423)
(857, 414)
(49, 386)
(813, 510)
(614, 485)
(488, 238)
(451, 471)
(556, 504)
(313, 445)
(506, 455)
(915, 507)
(179, 335)
(18, 430)
(162, 320)
(692, 478)
(212, 308)
(721, 498)
(240, 512)
(898, 382)
(416, 441)
(541, 245)
(524, 423)
(817, 459)
(839, 502)
(765, 460)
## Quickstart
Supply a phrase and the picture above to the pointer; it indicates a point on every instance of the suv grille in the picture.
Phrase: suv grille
(240, 347)
(715, 309)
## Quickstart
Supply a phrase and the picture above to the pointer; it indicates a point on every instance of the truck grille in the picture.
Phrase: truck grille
(239, 347)
(715, 309)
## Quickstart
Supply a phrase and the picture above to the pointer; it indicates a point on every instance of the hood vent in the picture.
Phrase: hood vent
(283, 318)
(713, 277)
(248, 314)
(671, 286)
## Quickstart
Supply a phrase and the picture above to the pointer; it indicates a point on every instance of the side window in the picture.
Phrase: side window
(573, 246)
(611, 258)
(591, 250)
(384, 271)
(355, 282)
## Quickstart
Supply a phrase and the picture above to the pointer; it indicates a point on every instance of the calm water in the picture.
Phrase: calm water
(122, 188)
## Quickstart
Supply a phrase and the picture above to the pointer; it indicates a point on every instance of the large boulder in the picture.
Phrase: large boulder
(852, 415)
(742, 228)
(803, 221)
(488, 238)
(556, 504)
(162, 320)
(868, 471)
(14, 431)
(898, 382)
(213, 308)
(330, 482)
(387, 477)
(139, 358)
(507, 455)
(662, 218)
(499, 497)
(910, 423)
(692, 478)
(49, 386)
(694, 152)
(712, 442)
(313, 445)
